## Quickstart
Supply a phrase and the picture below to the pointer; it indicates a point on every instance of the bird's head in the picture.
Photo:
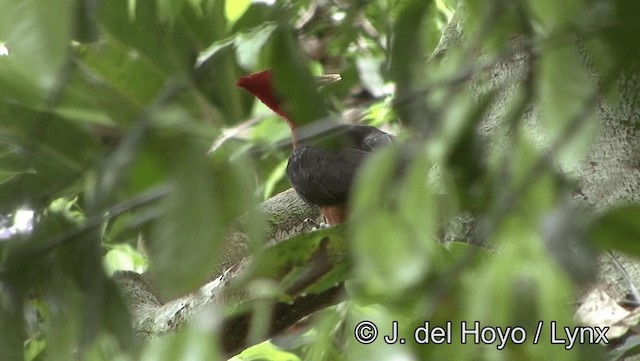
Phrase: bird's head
(261, 86)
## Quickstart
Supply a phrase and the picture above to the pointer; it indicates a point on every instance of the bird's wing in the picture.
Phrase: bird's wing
(368, 138)
(324, 177)
(376, 139)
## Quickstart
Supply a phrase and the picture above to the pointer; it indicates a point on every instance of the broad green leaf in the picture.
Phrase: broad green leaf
(250, 46)
(556, 15)
(169, 10)
(447, 7)
(13, 335)
(293, 80)
(305, 266)
(408, 61)
(59, 152)
(214, 49)
(265, 351)
(394, 224)
(112, 85)
(193, 342)
(206, 197)
(307, 263)
(233, 9)
(39, 36)
(276, 176)
(565, 90)
(458, 146)
(185, 240)
(622, 28)
(61, 261)
(124, 257)
(167, 47)
(618, 228)
(407, 53)
(319, 342)
(34, 347)
(491, 24)
(383, 318)
(518, 287)
(517, 184)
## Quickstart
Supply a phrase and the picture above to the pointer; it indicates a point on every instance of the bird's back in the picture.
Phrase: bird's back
(322, 170)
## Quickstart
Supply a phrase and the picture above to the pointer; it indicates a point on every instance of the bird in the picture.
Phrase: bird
(326, 155)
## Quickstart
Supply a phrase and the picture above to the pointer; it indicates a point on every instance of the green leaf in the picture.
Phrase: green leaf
(234, 9)
(206, 197)
(186, 237)
(394, 224)
(555, 15)
(13, 335)
(565, 89)
(169, 10)
(265, 351)
(112, 85)
(458, 145)
(622, 28)
(250, 46)
(34, 347)
(39, 36)
(124, 257)
(293, 80)
(408, 60)
(214, 49)
(185, 240)
(168, 47)
(619, 229)
(274, 178)
(518, 287)
(307, 263)
(59, 152)
(407, 54)
(492, 24)
(194, 342)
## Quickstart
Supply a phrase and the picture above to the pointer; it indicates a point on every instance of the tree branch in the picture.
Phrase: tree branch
(284, 215)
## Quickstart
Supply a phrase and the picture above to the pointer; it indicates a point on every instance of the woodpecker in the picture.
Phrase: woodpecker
(326, 155)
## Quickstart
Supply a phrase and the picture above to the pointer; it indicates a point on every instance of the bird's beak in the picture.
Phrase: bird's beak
(327, 79)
